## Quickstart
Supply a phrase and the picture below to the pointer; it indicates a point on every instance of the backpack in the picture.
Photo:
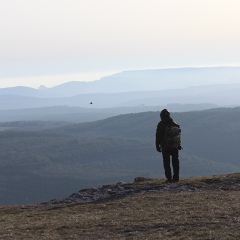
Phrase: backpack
(173, 136)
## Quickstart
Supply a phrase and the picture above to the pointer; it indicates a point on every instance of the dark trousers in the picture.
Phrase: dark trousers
(167, 154)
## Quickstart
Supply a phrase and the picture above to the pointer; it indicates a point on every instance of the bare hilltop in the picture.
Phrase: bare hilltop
(194, 208)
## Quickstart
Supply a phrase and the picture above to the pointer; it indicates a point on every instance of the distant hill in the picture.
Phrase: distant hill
(221, 95)
(52, 163)
(145, 80)
(80, 114)
(214, 85)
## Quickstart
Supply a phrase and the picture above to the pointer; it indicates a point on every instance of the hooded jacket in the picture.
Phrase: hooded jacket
(160, 132)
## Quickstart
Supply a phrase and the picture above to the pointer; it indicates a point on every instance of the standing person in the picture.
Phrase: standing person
(168, 142)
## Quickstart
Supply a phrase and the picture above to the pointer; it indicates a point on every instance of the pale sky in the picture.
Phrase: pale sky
(48, 42)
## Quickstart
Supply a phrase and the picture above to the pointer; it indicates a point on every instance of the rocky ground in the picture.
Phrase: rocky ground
(195, 208)
(143, 185)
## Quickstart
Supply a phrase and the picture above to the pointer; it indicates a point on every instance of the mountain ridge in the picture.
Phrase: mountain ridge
(219, 94)
(139, 80)
(213, 85)
(80, 114)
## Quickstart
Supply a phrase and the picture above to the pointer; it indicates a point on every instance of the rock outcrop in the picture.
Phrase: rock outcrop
(143, 185)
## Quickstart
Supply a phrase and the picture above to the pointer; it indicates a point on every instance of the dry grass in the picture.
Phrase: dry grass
(208, 214)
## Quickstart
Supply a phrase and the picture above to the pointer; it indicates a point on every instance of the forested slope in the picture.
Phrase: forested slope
(40, 165)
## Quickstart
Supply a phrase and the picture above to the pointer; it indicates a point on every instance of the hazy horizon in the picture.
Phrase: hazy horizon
(50, 42)
(57, 80)
(51, 80)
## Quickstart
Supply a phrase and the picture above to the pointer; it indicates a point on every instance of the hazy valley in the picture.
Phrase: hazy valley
(40, 165)
(54, 142)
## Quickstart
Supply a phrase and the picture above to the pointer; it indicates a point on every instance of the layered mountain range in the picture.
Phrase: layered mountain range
(217, 85)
